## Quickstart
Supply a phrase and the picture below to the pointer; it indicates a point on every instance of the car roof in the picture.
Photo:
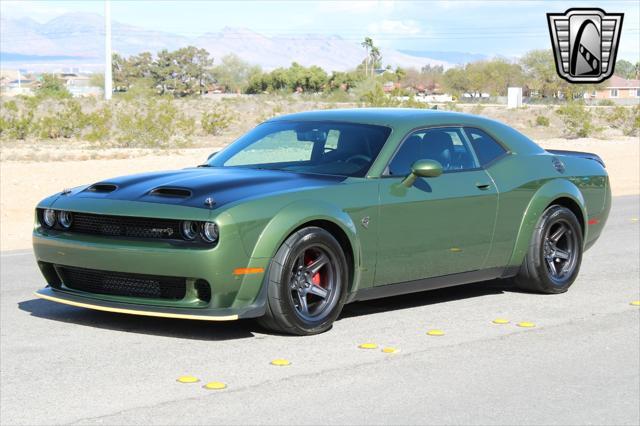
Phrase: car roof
(405, 119)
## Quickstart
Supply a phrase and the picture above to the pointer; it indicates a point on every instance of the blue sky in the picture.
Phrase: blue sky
(486, 27)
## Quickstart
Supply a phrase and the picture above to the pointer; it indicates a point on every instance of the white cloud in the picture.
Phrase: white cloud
(395, 27)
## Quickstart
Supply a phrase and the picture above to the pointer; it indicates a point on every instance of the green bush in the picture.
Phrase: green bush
(371, 93)
(16, 122)
(543, 121)
(216, 121)
(413, 103)
(626, 119)
(66, 122)
(153, 123)
(577, 120)
(98, 125)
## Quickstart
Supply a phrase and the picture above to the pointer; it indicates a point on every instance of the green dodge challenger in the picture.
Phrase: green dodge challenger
(313, 210)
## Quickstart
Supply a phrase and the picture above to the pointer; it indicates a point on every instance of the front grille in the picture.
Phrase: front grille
(122, 284)
(124, 226)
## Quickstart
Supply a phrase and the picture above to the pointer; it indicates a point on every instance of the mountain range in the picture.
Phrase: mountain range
(79, 39)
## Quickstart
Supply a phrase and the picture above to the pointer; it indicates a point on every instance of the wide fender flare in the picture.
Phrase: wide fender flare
(296, 214)
(543, 197)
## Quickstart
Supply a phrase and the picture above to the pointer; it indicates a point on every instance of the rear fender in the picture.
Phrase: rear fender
(543, 197)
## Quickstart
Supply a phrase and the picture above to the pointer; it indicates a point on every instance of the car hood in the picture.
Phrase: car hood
(194, 186)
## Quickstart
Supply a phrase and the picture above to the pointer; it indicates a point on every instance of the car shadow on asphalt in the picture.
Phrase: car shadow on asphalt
(231, 330)
(166, 327)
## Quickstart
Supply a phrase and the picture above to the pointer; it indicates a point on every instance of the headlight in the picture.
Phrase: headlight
(65, 219)
(49, 218)
(209, 232)
(189, 229)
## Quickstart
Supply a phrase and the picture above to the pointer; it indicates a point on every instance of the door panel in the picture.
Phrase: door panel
(439, 226)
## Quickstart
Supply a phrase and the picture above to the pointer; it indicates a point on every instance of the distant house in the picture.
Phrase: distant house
(618, 88)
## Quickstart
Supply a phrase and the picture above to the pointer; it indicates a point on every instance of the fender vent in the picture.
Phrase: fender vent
(102, 187)
(171, 192)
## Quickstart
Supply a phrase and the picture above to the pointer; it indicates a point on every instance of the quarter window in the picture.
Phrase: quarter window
(486, 148)
(447, 145)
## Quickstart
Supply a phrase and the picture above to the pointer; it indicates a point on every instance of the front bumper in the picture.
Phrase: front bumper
(233, 295)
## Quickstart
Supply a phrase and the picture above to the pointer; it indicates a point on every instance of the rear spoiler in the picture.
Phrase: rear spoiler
(587, 155)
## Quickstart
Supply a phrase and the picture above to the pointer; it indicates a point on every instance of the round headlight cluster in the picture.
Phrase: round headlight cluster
(207, 231)
(189, 230)
(63, 218)
(210, 232)
(49, 218)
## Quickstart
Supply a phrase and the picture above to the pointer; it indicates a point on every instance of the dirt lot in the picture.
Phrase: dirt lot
(24, 183)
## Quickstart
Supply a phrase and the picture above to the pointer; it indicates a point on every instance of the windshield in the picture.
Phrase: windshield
(343, 149)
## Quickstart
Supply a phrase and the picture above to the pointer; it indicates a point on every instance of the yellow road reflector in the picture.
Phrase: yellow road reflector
(389, 350)
(188, 379)
(634, 219)
(368, 346)
(435, 333)
(526, 324)
(280, 362)
(501, 321)
(635, 303)
(215, 385)
(455, 250)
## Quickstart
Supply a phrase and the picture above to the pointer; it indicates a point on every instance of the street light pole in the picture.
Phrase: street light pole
(108, 84)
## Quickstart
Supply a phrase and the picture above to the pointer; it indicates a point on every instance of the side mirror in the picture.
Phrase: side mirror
(212, 155)
(423, 168)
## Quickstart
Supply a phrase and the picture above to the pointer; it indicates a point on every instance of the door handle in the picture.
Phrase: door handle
(483, 186)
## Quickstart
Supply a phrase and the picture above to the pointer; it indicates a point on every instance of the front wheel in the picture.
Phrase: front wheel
(307, 283)
(555, 253)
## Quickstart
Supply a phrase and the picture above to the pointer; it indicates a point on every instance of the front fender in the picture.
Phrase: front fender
(543, 197)
(296, 214)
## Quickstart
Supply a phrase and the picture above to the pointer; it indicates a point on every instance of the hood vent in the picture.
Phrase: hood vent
(171, 192)
(102, 187)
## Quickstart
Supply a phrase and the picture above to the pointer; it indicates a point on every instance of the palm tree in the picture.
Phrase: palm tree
(368, 45)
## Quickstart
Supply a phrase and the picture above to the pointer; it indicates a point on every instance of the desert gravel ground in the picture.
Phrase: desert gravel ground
(580, 364)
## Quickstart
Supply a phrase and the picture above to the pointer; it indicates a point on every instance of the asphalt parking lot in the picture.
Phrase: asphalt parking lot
(580, 364)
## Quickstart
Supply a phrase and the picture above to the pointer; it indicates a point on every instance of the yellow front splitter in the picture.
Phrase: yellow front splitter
(136, 312)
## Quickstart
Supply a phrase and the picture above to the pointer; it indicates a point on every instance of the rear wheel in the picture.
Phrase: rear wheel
(555, 253)
(307, 283)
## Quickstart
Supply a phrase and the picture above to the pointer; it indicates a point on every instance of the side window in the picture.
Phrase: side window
(486, 148)
(447, 145)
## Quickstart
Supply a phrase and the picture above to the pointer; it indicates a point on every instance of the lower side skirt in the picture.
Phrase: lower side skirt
(431, 283)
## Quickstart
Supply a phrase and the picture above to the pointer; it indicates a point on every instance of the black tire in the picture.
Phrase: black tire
(557, 235)
(291, 275)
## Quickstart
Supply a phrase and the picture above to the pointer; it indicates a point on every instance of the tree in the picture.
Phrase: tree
(368, 45)
(541, 74)
(183, 72)
(625, 69)
(234, 74)
(457, 81)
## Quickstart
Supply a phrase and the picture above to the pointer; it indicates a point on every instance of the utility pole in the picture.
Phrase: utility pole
(108, 84)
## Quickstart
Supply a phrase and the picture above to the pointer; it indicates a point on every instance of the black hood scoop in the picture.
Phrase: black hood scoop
(102, 188)
(171, 192)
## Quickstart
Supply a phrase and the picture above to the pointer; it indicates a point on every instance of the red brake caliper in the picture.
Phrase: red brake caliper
(316, 279)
